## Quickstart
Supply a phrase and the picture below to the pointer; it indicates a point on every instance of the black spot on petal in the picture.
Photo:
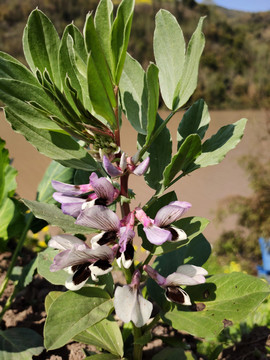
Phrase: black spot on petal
(129, 253)
(102, 264)
(101, 201)
(176, 294)
(81, 274)
(107, 238)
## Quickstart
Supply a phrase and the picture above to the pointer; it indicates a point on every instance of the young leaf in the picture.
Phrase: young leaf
(186, 154)
(160, 153)
(188, 81)
(55, 145)
(195, 121)
(169, 51)
(120, 36)
(41, 45)
(228, 298)
(103, 24)
(105, 334)
(100, 85)
(20, 344)
(54, 216)
(215, 149)
(92, 305)
(153, 99)
(134, 96)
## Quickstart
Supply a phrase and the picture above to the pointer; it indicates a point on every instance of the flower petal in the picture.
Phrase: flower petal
(131, 306)
(177, 295)
(177, 279)
(65, 242)
(69, 189)
(105, 237)
(70, 257)
(103, 188)
(170, 213)
(126, 235)
(100, 267)
(157, 235)
(177, 234)
(99, 217)
(142, 167)
(191, 270)
(79, 277)
(110, 168)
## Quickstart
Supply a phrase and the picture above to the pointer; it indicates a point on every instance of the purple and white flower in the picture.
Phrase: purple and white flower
(160, 229)
(75, 198)
(80, 260)
(129, 303)
(125, 164)
(101, 218)
(184, 275)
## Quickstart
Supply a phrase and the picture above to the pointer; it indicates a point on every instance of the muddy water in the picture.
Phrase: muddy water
(204, 188)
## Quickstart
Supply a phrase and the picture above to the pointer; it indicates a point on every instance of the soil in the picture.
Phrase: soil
(27, 311)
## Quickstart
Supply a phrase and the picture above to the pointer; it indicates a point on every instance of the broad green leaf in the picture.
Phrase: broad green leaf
(195, 121)
(55, 145)
(170, 354)
(104, 357)
(160, 153)
(50, 298)
(44, 261)
(186, 154)
(8, 174)
(55, 171)
(169, 50)
(105, 334)
(103, 25)
(18, 95)
(100, 85)
(228, 299)
(27, 274)
(54, 216)
(153, 99)
(120, 36)
(41, 45)
(215, 149)
(10, 68)
(7, 210)
(134, 96)
(188, 81)
(92, 305)
(73, 63)
(20, 344)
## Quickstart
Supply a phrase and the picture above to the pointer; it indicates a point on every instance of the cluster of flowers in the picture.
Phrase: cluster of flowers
(88, 203)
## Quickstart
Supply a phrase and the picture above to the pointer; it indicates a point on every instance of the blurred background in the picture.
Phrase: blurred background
(234, 80)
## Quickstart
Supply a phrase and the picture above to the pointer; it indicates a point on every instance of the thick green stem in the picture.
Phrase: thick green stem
(137, 350)
(15, 254)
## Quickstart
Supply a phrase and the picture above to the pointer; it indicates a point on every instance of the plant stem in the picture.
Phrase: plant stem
(16, 253)
(137, 350)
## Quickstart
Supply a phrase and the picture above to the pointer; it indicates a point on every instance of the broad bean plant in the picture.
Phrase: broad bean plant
(70, 105)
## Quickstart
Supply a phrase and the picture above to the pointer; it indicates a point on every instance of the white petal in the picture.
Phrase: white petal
(64, 242)
(69, 284)
(177, 279)
(191, 270)
(181, 235)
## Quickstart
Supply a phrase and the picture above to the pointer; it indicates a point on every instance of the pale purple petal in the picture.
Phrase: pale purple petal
(110, 168)
(102, 187)
(69, 189)
(177, 279)
(65, 242)
(99, 217)
(157, 235)
(62, 198)
(170, 213)
(126, 235)
(72, 209)
(142, 167)
(123, 162)
(132, 306)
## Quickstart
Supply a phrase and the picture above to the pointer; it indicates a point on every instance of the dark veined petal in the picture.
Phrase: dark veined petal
(103, 188)
(65, 242)
(99, 217)
(170, 213)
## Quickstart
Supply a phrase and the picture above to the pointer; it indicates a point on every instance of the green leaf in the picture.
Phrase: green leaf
(228, 298)
(169, 51)
(160, 153)
(41, 45)
(8, 174)
(100, 85)
(20, 344)
(27, 274)
(55, 171)
(188, 81)
(55, 145)
(105, 334)
(103, 25)
(134, 96)
(153, 99)
(92, 305)
(215, 149)
(44, 261)
(104, 357)
(7, 212)
(120, 36)
(73, 63)
(170, 354)
(50, 298)
(195, 121)
(186, 154)
(54, 216)
(18, 95)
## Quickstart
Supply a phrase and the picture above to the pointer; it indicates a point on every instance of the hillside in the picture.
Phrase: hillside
(235, 66)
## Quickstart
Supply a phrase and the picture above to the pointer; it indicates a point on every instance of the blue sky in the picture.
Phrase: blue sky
(244, 5)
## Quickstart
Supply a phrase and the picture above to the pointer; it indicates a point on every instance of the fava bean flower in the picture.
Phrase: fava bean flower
(125, 164)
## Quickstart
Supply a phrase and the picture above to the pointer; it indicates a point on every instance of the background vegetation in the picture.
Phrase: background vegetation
(235, 66)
